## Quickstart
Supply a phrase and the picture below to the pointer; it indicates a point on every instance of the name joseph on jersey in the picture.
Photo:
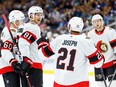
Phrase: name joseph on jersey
(70, 43)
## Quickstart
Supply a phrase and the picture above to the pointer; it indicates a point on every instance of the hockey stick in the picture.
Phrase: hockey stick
(103, 77)
(8, 27)
(112, 78)
(27, 77)
(14, 42)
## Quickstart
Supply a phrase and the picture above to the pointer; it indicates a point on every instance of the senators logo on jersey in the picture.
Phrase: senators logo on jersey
(102, 47)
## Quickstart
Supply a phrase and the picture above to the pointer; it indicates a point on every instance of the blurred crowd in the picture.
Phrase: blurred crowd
(58, 12)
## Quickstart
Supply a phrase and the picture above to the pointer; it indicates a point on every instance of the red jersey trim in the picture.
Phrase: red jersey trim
(37, 65)
(47, 51)
(8, 45)
(44, 52)
(80, 84)
(93, 54)
(101, 32)
(10, 69)
(42, 44)
(108, 64)
(113, 43)
(6, 69)
(28, 36)
(26, 59)
(25, 39)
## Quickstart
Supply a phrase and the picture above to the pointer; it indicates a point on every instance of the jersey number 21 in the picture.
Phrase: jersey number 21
(65, 52)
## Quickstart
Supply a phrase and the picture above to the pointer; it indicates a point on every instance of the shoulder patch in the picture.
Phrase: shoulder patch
(20, 30)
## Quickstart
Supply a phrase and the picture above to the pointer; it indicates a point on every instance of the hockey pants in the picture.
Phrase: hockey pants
(35, 78)
(11, 79)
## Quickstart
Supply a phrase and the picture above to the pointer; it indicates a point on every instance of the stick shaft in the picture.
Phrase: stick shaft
(112, 78)
(7, 25)
(29, 83)
(14, 42)
(103, 77)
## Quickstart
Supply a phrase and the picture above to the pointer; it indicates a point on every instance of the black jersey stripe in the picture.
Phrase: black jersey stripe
(30, 37)
(47, 51)
(8, 45)
(95, 57)
(113, 43)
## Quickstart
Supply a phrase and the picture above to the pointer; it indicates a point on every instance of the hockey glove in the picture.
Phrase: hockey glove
(15, 65)
(26, 65)
(42, 42)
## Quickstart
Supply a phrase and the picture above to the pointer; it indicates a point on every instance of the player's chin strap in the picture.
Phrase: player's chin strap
(15, 46)
(103, 77)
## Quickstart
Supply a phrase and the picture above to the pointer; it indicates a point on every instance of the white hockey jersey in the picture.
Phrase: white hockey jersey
(28, 45)
(105, 41)
(71, 64)
(7, 50)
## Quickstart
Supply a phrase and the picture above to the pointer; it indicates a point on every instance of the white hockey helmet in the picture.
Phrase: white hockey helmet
(97, 17)
(75, 24)
(35, 9)
(16, 15)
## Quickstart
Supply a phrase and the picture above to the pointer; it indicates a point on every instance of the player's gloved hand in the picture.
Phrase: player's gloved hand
(26, 65)
(15, 65)
(43, 41)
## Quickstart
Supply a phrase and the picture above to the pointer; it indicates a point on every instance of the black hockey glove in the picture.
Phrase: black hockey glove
(26, 65)
(15, 65)
(43, 41)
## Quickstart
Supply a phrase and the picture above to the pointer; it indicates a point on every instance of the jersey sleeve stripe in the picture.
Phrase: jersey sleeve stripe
(108, 64)
(6, 69)
(93, 54)
(93, 58)
(96, 61)
(113, 43)
(29, 37)
(78, 84)
(42, 44)
(47, 51)
(7, 45)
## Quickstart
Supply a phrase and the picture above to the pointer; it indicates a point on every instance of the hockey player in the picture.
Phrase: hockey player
(73, 51)
(9, 66)
(105, 40)
(29, 48)
(20, 30)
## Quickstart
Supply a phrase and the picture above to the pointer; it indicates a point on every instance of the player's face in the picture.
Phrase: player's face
(38, 18)
(98, 25)
(17, 23)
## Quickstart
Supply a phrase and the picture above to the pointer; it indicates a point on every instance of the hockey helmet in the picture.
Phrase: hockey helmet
(75, 24)
(35, 9)
(16, 15)
(97, 17)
